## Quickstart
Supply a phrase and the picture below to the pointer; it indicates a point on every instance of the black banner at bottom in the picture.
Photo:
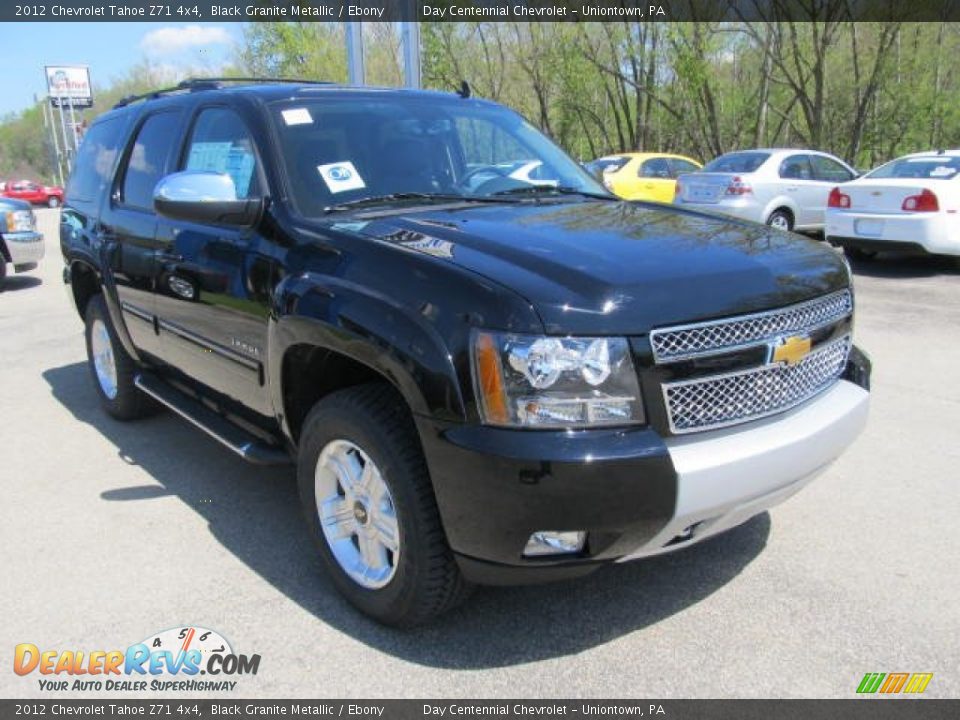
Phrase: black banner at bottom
(874, 708)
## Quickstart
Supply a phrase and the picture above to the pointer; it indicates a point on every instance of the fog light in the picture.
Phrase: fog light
(550, 542)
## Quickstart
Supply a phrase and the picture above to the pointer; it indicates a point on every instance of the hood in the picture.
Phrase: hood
(600, 267)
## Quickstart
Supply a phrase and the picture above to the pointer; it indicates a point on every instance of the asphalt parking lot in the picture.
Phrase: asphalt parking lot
(111, 532)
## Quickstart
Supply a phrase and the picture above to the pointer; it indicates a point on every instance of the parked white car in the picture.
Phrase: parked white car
(785, 188)
(910, 204)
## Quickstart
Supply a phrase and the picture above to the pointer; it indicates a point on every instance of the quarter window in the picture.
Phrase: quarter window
(221, 143)
(149, 159)
(95, 160)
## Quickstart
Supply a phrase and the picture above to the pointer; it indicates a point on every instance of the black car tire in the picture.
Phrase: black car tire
(854, 253)
(53, 201)
(3, 271)
(426, 580)
(129, 403)
(780, 216)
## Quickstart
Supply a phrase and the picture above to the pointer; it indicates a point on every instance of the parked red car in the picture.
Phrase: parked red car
(49, 195)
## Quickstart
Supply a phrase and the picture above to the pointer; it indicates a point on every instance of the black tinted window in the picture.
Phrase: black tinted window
(220, 142)
(95, 160)
(738, 162)
(149, 158)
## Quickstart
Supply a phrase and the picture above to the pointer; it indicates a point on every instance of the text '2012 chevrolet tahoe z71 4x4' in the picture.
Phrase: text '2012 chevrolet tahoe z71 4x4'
(481, 378)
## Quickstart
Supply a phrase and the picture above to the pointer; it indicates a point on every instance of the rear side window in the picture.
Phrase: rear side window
(149, 159)
(95, 160)
(655, 168)
(738, 162)
(220, 142)
(928, 167)
(682, 166)
(829, 170)
(796, 167)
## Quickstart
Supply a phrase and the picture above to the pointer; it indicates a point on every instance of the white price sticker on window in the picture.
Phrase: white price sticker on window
(341, 176)
(297, 116)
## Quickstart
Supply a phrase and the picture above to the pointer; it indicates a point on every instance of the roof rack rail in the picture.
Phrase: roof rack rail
(210, 83)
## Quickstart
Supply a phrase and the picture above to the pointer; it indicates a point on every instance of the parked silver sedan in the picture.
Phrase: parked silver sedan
(785, 188)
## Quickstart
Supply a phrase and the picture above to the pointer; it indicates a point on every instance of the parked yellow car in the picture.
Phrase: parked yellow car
(642, 176)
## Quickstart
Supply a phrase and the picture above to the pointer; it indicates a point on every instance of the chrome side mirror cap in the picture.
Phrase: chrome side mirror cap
(205, 197)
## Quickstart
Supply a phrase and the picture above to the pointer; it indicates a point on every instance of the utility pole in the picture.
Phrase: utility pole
(410, 38)
(355, 73)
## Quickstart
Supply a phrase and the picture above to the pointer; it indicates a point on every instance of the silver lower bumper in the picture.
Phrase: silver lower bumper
(25, 248)
(727, 476)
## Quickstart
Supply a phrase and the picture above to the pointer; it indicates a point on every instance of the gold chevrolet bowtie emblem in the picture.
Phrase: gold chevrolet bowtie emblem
(792, 350)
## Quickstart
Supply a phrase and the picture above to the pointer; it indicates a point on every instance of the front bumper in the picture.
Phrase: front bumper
(633, 492)
(25, 249)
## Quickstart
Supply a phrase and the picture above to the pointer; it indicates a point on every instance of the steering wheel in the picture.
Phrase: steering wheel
(489, 169)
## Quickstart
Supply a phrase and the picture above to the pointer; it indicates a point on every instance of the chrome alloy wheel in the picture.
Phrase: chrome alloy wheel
(103, 361)
(357, 514)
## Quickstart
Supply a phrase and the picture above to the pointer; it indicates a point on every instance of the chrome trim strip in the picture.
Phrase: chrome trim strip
(210, 345)
(137, 312)
(662, 358)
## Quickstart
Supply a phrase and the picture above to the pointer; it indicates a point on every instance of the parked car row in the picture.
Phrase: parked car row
(33, 192)
(909, 204)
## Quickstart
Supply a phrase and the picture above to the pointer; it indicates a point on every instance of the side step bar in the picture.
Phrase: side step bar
(247, 446)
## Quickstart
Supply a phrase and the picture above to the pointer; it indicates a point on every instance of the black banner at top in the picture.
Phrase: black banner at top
(479, 10)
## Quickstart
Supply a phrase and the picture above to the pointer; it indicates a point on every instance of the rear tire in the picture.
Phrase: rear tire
(859, 254)
(781, 220)
(111, 368)
(3, 272)
(53, 202)
(367, 432)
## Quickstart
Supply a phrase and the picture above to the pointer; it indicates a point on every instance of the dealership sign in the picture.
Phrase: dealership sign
(69, 85)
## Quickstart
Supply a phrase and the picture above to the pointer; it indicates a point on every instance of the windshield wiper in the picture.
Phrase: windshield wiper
(403, 196)
(553, 190)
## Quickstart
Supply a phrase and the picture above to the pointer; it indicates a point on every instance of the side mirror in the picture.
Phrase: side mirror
(205, 197)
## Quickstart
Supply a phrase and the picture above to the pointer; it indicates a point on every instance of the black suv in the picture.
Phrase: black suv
(486, 368)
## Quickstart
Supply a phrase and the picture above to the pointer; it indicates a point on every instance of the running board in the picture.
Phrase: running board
(244, 444)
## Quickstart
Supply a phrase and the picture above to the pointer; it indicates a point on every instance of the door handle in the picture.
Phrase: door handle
(171, 257)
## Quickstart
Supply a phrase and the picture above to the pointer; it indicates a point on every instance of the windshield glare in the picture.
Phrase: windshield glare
(344, 150)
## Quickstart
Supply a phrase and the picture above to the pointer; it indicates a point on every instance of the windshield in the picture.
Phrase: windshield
(932, 167)
(342, 150)
(738, 162)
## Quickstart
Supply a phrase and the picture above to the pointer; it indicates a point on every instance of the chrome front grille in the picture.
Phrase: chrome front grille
(719, 336)
(721, 400)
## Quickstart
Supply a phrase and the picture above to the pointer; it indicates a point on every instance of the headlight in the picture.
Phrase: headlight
(550, 382)
(19, 221)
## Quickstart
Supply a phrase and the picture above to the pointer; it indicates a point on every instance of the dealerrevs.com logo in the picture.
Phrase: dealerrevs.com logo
(173, 660)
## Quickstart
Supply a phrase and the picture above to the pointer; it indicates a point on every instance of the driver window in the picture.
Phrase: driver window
(220, 142)
(655, 168)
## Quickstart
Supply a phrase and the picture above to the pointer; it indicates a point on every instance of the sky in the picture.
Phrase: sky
(109, 49)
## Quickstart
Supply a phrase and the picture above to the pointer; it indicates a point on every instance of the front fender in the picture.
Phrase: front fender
(371, 328)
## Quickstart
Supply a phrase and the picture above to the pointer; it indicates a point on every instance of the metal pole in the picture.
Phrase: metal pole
(355, 73)
(52, 133)
(73, 126)
(410, 37)
(63, 129)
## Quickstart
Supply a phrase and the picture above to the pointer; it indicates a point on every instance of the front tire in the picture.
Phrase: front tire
(370, 507)
(112, 369)
(53, 201)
